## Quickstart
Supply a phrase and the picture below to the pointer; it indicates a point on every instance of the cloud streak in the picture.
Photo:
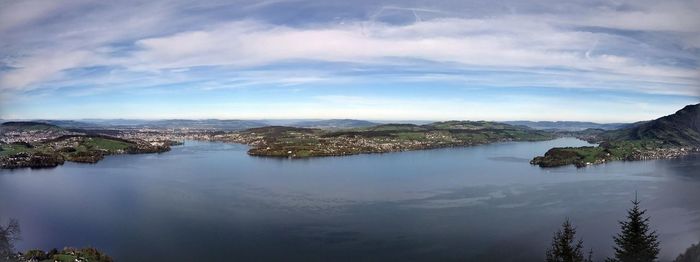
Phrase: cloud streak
(507, 43)
(92, 46)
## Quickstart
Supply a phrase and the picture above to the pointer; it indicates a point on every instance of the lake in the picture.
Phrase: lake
(206, 201)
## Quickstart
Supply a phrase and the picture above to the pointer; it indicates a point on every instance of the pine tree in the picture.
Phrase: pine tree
(565, 248)
(636, 243)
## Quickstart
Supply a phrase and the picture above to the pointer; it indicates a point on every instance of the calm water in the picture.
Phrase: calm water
(212, 202)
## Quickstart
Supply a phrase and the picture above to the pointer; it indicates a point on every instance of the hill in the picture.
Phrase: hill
(474, 125)
(204, 124)
(566, 125)
(210, 124)
(334, 123)
(69, 124)
(297, 142)
(666, 137)
(679, 129)
(25, 126)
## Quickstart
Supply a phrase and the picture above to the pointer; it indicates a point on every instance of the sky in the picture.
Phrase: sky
(587, 60)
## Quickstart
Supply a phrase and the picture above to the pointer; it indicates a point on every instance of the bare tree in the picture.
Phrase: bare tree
(8, 235)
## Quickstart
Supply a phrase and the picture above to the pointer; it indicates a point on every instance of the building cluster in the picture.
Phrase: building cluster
(30, 136)
(295, 144)
(662, 153)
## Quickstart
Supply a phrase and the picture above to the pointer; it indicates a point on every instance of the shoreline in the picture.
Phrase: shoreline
(78, 149)
(427, 148)
(580, 156)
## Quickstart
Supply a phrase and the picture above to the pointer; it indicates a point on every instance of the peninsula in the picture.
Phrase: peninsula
(666, 137)
(293, 142)
(40, 145)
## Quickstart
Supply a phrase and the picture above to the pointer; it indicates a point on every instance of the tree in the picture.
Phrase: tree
(8, 235)
(692, 254)
(565, 248)
(636, 242)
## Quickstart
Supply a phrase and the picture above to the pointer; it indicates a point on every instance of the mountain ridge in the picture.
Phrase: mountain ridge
(566, 125)
(670, 136)
(681, 128)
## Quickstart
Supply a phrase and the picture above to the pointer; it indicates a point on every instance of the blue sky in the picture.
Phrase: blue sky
(603, 61)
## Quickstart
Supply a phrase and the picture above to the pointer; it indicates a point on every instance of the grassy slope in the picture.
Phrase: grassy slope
(100, 143)
(13, 149)
(87, 146)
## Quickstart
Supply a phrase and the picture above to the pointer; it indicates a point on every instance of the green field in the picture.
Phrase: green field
(411, 135)
(100, 143)
(12, 149)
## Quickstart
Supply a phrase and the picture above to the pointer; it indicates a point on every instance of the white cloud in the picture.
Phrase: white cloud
(147, 39)
(34, 69)
(18, 13)
(671, 16)
(505, 43)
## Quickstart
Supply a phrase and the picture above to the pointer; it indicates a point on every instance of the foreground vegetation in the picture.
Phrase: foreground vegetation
(636, 242)
(692, 254)
(68, 254)
(10, 233)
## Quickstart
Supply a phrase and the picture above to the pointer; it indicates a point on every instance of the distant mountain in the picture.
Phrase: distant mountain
(205, 124)
(71, 124)
(275, 131)
(679, 129)
(475, 125)
(566, 125)
(217, 124)
(334, 123)
(116, 122)
(24, 126)
(458, 128)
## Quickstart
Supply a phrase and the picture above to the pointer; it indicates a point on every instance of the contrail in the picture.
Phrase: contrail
(590, 50)
(416, 15)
